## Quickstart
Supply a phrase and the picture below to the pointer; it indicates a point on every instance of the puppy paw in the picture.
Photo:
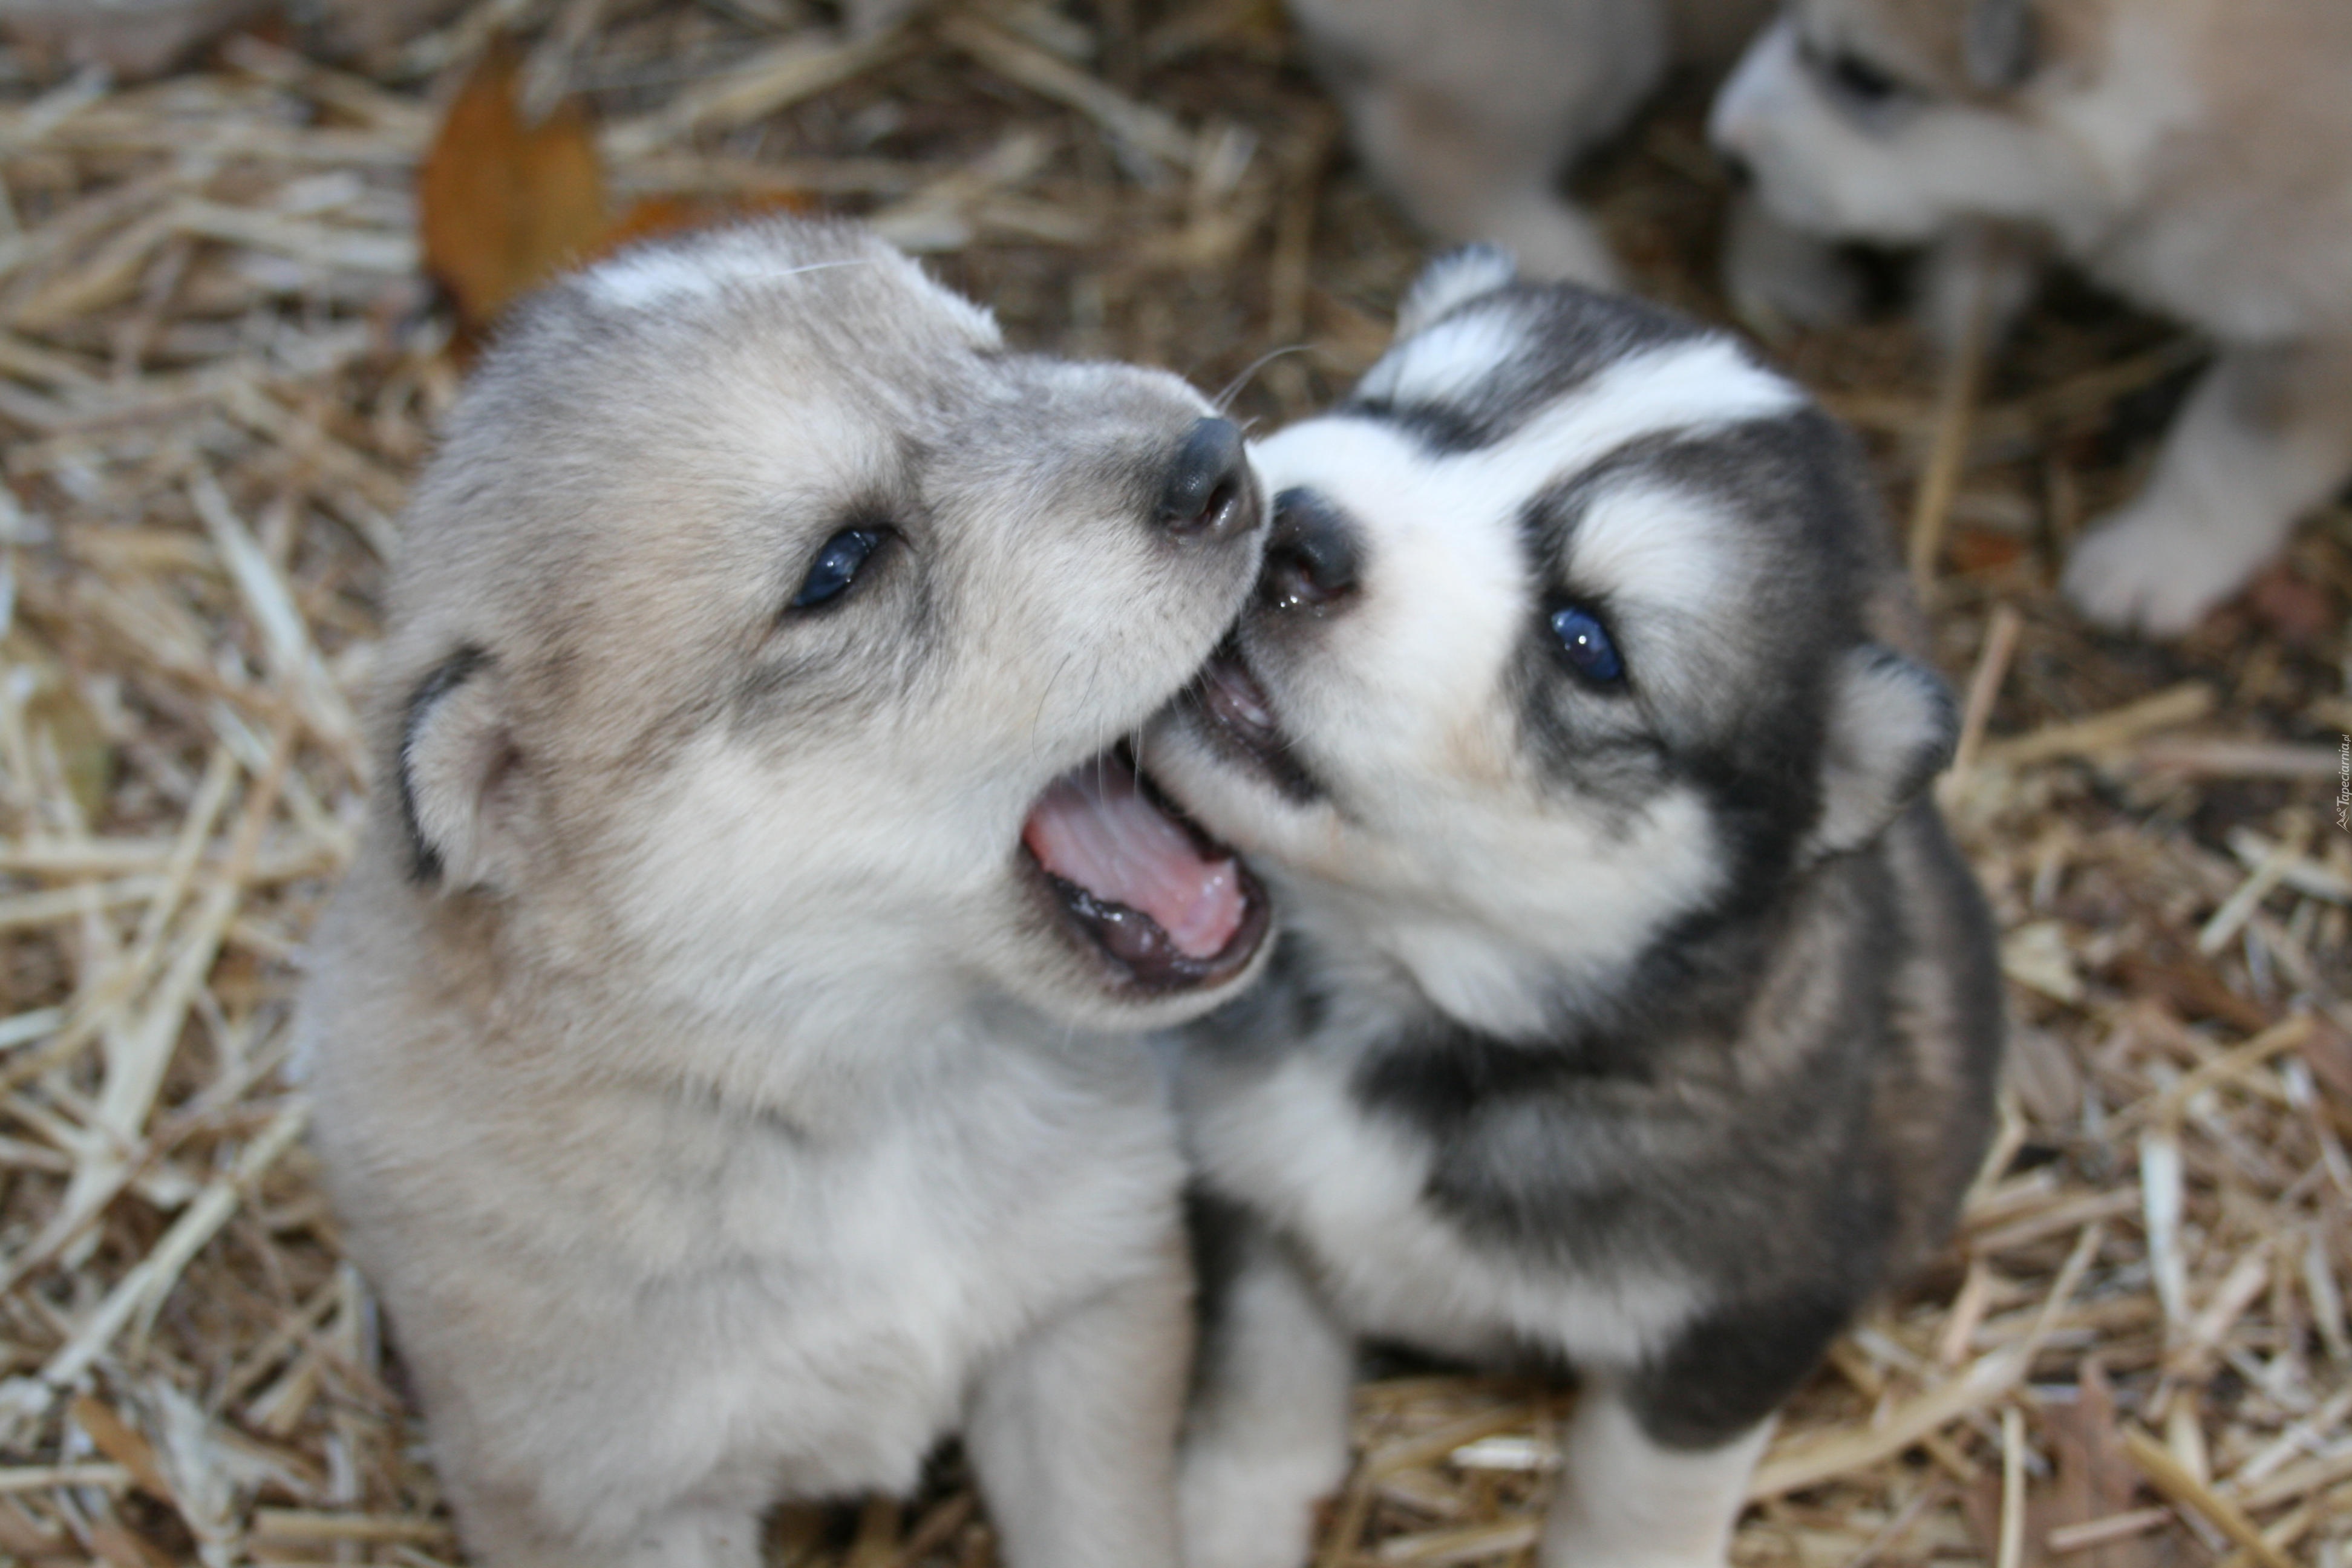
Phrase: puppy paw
(1575, 1547)
(2157, 567)
(1242, 1509)
(1584, 1558)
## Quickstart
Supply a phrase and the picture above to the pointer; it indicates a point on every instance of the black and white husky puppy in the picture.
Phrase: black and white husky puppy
(1635, 1011)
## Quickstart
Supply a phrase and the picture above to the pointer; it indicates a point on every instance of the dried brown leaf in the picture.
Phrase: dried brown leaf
(505, 205)
(1974, 550)
(2180, 975)
(2096, 1479)
(657, 217)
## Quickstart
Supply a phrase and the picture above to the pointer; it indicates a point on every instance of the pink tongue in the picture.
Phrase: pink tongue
(1095, 827)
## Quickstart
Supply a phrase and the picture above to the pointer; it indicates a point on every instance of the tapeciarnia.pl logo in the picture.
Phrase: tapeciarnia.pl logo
(2344, 784)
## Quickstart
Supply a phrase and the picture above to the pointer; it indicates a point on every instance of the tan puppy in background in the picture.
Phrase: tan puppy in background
(1471, 111)
(2193, 154)
(722, 1047)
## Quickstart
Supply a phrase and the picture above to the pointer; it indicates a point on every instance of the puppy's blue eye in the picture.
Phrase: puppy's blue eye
(836, 566)
(1586, 645)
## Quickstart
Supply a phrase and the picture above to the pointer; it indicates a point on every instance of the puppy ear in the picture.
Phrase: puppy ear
(1454, 278)
(1891, 727)
(2000, 44)
(457, 776)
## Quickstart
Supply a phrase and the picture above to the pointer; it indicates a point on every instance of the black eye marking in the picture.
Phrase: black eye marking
(836, 566)
(1587, 646)
(1860, 81)
(1856, 81)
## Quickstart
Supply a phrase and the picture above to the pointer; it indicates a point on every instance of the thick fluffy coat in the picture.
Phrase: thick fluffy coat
(2195, 154)
(715, 1088)
(1634, 1010)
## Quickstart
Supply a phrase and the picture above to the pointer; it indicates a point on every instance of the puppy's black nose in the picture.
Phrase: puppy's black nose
(1209, 494)
(1313, 554)
(1736, 167)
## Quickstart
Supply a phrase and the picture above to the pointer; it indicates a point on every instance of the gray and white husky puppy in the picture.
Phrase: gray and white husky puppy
(1634, 1010)
(724, 1048)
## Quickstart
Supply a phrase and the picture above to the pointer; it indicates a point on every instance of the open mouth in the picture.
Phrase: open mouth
(1171, 910)
(1241, 718)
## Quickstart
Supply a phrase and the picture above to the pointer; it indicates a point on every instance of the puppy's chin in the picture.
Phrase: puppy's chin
(1123, 912)
(1035, 960)
(1222, 756)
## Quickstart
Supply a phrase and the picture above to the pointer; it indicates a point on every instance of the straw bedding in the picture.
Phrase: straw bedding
(219, 370)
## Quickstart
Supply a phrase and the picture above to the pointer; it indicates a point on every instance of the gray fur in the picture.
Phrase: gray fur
(704, 1074)
(1999, 46)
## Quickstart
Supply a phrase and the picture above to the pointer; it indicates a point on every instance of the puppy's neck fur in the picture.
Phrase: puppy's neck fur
(1695, 978)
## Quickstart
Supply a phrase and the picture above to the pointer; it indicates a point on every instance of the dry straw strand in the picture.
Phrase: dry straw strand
(219, 374)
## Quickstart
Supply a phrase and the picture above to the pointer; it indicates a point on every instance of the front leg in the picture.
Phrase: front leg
(1656, 1464)
(1073, 1435)
(2267, 436)
(1267, 1436)
(1627, 1500)
(568, 1423)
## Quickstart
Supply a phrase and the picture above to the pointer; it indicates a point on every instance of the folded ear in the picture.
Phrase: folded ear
(2001, 43)
(458, 776)
(1891, 727)
(1454, 278)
